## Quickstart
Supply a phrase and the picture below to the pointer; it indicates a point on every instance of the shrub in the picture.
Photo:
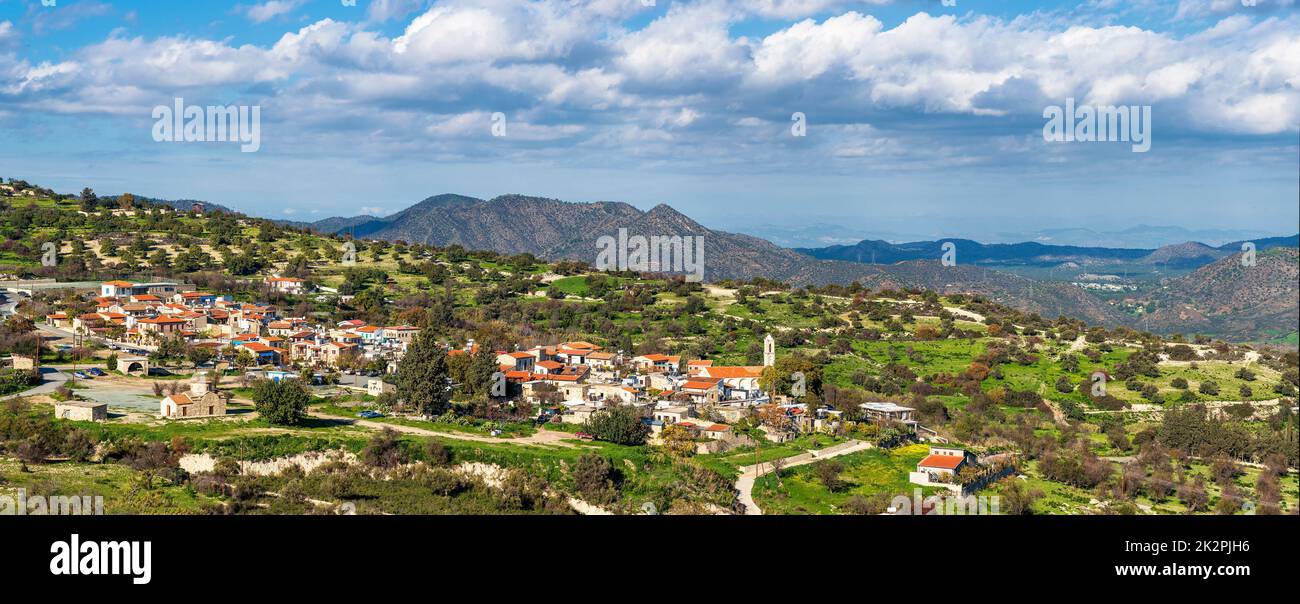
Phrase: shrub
(620, 424)
(384, 450)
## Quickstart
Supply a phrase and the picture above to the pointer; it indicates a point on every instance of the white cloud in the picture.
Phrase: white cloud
(265, 11)
(574, 77)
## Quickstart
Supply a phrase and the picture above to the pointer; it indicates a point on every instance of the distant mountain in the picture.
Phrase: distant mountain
(555, 229)
(1264, 243)
(1227, 298)
(1183, 255)
(1136, 236)
(883, 252)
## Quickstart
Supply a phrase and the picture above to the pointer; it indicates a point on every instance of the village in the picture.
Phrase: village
(696, 401)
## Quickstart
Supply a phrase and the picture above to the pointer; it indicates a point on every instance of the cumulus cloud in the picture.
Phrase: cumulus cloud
(582, 76)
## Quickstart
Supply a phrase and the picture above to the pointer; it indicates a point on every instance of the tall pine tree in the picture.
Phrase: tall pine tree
(422, 375)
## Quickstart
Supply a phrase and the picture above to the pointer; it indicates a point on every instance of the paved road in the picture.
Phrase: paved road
(749, 474)
(53, 378)
(65, 334)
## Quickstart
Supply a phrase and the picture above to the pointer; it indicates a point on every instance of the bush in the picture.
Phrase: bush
(283, 403)
(858, 505)
(593, 477)
(619, 424)
(436, 453)
(1209, 387)
(828, 473)
(443, 482)
(384, 450)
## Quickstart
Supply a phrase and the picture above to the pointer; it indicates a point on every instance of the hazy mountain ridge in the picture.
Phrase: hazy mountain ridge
(1185, 255)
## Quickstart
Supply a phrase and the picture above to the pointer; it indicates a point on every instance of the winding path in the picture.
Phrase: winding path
(749, 474)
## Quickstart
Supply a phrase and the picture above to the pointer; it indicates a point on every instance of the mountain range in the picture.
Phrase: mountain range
(555, 229)
(1183, 255)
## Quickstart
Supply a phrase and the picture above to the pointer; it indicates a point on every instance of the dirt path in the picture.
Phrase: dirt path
(750, 474)
(541, 437)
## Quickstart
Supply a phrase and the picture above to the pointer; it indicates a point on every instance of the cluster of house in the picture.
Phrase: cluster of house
(698, 396)
(145, 314)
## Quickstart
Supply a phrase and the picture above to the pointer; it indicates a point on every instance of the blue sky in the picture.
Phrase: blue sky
(923, 120)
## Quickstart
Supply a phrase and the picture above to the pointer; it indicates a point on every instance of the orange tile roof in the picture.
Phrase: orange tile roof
(580, 344)
(947, 462)
(661, 357)
(734, 372)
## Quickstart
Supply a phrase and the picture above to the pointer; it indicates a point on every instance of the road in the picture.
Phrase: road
(65, 334)
(53, 378)
(749, 474)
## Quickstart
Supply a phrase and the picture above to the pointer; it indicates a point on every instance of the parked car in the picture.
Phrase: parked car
(369, 414)
(97, 372)
(80, 375)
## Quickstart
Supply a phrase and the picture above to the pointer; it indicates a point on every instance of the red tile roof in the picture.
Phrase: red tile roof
(947, 462)
(734, 372)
